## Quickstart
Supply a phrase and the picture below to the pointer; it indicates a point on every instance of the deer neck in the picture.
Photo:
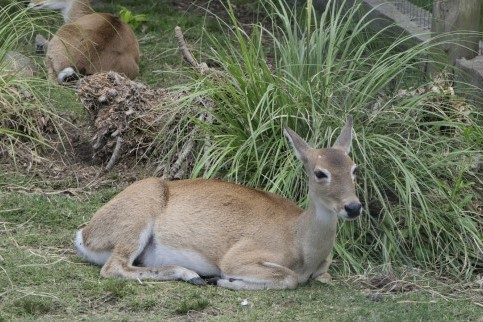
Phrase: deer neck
(76, 9)
(317, 227)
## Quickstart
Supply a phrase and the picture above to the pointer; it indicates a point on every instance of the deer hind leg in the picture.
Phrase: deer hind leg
(60, 69)
(119, 262)
(64, 63)
(128, 66)
(118, 266)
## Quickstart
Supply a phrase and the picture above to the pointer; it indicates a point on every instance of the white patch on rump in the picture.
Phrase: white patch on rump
(99, 258)
(156, 254)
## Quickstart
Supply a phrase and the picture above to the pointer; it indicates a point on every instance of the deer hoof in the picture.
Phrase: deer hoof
(324, 278)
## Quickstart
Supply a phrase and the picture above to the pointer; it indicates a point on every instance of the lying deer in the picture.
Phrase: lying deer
(88, 42)
(243, 238)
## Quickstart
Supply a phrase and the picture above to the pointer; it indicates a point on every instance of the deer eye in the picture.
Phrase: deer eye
(319, 174)
(355, 171)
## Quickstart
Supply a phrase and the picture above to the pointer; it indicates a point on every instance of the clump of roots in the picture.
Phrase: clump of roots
(129, 118)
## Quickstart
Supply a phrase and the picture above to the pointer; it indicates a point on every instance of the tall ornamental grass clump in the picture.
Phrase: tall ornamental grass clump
(417, 145)
(24, 117)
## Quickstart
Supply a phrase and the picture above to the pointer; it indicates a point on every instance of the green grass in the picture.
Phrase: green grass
(41, 278)
(415, 152)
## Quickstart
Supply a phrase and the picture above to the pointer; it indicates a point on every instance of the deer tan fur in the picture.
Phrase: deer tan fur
(88, 42)
(241, 237)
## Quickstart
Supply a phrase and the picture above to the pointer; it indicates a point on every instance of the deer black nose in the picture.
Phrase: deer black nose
(353, 209)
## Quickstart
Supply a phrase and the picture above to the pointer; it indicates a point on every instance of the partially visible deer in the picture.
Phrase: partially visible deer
(88, 42)
(243, 238)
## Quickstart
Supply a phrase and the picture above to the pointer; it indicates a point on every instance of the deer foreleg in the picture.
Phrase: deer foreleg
(322, 274)
(258, 275)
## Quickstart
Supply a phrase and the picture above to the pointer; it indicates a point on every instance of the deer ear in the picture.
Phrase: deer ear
(299, 145)
(344, 141)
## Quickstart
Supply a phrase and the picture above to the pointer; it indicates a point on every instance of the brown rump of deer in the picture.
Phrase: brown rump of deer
(242, 238)
(88, 42)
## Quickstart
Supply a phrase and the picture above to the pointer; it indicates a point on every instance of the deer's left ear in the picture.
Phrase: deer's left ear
(344, 141)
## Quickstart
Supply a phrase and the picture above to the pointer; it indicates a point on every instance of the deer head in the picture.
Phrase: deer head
(331, 173)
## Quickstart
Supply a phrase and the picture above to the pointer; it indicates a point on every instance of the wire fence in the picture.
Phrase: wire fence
(418, 15)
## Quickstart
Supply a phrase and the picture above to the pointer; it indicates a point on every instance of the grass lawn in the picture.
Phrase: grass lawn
(42, 278)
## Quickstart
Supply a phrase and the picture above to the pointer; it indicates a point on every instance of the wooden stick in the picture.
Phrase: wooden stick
(115, 154)
(201, 68)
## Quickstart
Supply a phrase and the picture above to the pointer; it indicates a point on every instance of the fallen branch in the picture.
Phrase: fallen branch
(202, 68)
(115, 154)
(187, 148)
